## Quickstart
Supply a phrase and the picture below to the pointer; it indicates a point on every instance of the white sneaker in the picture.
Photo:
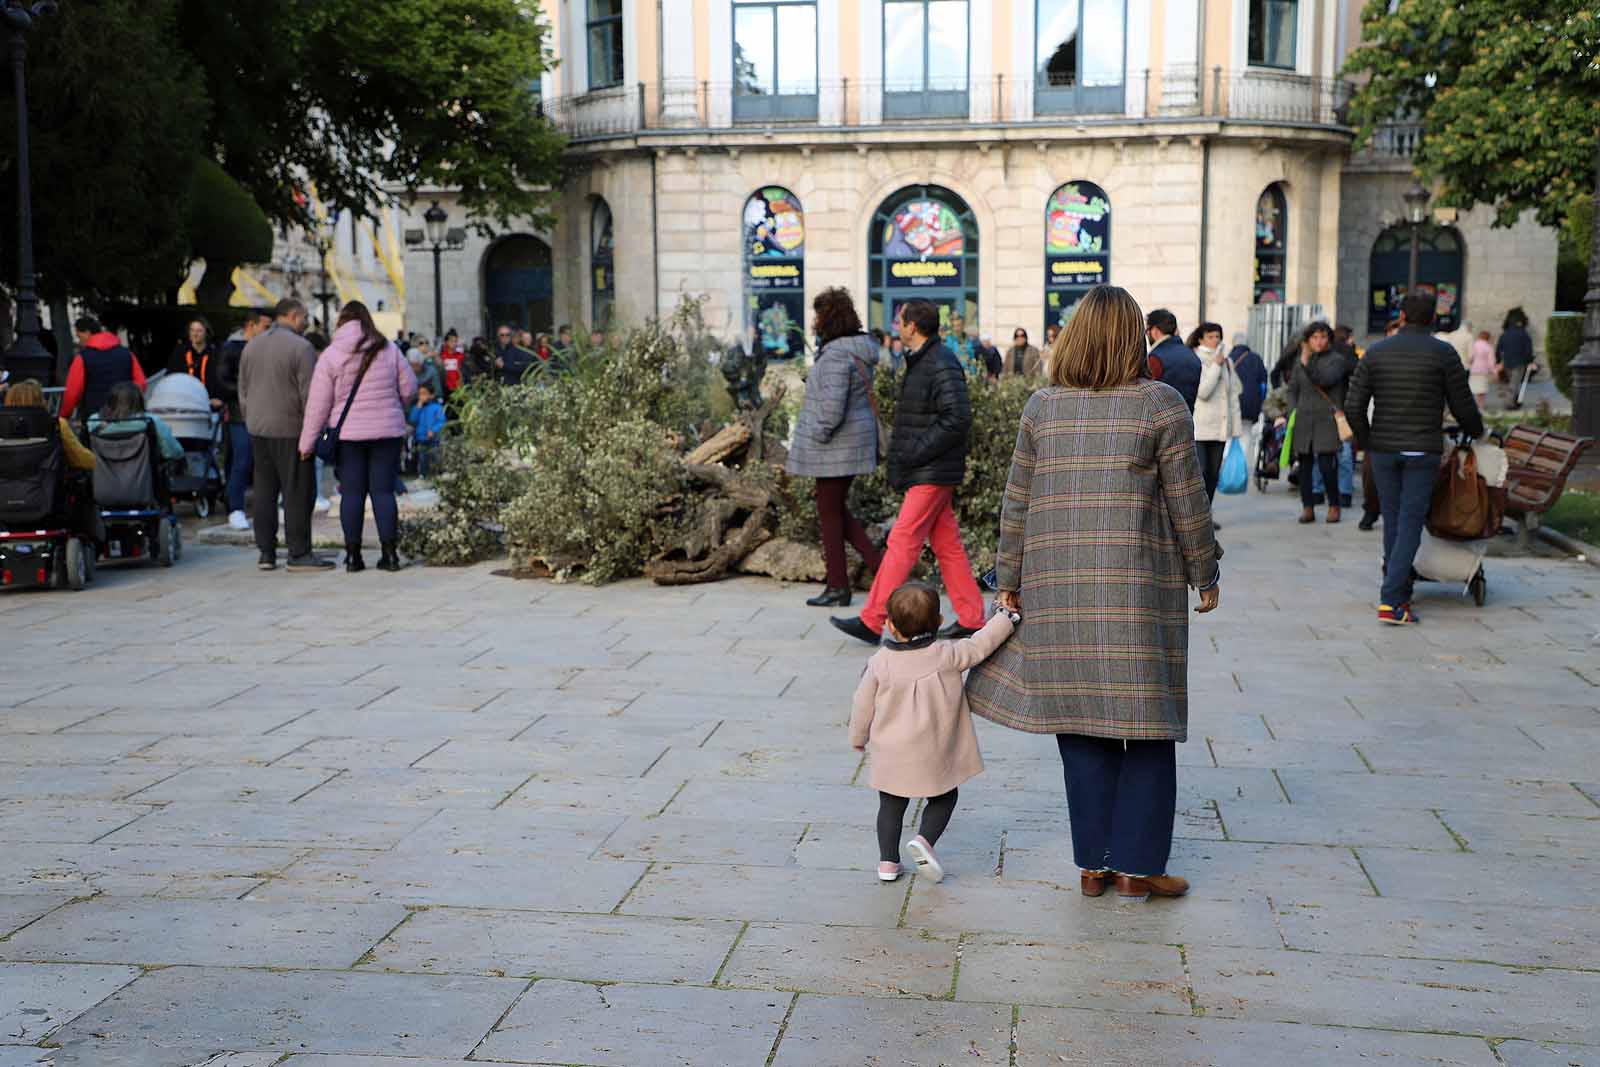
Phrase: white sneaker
(323, 504)
(927, 863)
(238, 520)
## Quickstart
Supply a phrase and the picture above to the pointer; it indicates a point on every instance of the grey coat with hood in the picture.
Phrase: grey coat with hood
(837, 433)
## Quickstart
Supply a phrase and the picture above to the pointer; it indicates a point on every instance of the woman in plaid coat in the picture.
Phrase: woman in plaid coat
(1104, 529)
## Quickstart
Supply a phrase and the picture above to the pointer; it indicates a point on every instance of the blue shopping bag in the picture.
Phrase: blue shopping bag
(1235, 475)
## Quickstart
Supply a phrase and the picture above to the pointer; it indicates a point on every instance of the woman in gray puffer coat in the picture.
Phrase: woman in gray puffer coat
(836, 437)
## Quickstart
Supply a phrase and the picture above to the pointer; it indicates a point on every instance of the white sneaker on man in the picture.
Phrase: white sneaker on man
(238, 520)
(323, 504)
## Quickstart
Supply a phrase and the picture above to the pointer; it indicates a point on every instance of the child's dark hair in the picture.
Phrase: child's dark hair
(425, 388)
(914, 610)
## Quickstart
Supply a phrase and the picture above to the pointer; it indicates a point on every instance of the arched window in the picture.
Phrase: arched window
(517, 284)
(602, 278)
(1272, 245)
(1078, 50)
(775, 270)
(924, 244)
(1077, 247)
(1441, 260)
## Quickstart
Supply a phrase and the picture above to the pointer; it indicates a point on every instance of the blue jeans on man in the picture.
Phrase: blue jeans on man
(1347, 474)
(240, 464)
(1405, 490)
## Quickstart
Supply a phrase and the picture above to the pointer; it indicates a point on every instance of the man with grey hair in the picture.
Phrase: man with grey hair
(274, 380)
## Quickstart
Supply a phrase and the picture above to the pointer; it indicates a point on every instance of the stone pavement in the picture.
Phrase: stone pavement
(443, 817)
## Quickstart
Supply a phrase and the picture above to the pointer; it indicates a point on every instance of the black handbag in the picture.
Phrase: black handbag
(327, 446)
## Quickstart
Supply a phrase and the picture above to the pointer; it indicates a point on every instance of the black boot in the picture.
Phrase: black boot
(352, 559)
(389, 558)
(831, 597)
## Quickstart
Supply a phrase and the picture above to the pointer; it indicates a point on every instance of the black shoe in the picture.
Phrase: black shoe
(389, 557)
(1367, 523)
(831, 597)
(310, 562)
(856, 629)
(1216, 527)
(352, 559)
(267, 562)
(955, 632)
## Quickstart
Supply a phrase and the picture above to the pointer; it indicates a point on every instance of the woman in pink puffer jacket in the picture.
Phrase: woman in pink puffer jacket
(371, 436)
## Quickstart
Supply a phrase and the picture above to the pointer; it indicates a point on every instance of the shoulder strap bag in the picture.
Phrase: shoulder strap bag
(1345, 432)
(327, 446)
(872, 399)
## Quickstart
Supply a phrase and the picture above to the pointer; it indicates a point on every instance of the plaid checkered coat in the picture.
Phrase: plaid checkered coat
(1104, 528)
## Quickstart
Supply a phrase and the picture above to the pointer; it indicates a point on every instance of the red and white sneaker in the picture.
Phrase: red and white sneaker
(1397, 616)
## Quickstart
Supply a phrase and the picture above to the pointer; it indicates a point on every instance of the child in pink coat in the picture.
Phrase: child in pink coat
(911, 707)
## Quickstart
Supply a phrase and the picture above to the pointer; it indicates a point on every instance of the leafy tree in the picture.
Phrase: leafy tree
(115, 123)
(226, 228)
(354, 95)
(1508, 91)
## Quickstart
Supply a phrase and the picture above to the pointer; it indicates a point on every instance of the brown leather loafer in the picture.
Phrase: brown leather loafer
(1334, 515)
(1307, 515)
(1093, 883)
(1131, 887)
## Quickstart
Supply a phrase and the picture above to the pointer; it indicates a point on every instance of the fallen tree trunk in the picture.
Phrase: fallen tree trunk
(733, 520)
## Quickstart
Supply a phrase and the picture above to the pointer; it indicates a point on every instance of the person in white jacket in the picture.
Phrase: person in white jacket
(1216, 408)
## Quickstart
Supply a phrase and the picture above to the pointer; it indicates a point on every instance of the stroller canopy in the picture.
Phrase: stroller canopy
(183, 404)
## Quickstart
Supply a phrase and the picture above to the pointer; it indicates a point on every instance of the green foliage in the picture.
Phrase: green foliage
(115, 121)
(1572, 255)
(353, 96)
(1563, 337)
(473, 487)
(1576, 514)
(226, 228)
(1509, 93)
(996, 414)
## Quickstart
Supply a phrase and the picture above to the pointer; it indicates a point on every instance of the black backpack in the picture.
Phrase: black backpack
(32, 462)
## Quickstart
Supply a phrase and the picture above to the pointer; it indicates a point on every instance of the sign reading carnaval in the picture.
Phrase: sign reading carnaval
(923, 245)
(1077, 242)
(774, 240)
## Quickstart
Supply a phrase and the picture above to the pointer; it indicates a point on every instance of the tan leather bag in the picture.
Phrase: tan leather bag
(1464, 508)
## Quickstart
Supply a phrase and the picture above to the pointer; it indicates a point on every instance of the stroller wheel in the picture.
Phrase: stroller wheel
(1479, 588)
(202, 506)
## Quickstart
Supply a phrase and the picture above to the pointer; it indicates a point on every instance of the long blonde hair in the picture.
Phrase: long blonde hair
(1103, 345)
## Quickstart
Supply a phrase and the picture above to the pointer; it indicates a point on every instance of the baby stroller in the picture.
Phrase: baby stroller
(183, 404)
(132, 486)
(1267, 452)
(41, 546)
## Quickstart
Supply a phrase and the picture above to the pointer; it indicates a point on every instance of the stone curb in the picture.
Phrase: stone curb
(1585, 552)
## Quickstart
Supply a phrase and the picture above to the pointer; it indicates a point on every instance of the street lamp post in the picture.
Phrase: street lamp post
(325, 232)
(1586, 365)
(1416, 199)
(27, 357)
(435, 220)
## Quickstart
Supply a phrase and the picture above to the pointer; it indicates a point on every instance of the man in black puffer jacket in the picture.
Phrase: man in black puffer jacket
(1409, 378)
(927, 460)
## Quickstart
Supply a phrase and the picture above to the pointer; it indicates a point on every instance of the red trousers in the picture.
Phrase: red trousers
(926, 517)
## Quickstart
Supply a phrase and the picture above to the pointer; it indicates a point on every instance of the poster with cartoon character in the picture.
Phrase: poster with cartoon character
(1077, 247)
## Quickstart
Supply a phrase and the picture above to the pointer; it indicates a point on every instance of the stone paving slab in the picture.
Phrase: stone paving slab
(626, 1025)
(286, 825)
(584, 947)
(1542, 1054)
(146, 870)
(19, 909)
(846, 1032)
(333, 1011)
(222, 933)
(1415, 792)
(1054, 1036)
(767, 894)
(1482, 878)
(39, 998)
(1111, 975)
(833, 959)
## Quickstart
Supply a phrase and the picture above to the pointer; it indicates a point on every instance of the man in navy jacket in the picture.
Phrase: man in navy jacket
(1171, 360)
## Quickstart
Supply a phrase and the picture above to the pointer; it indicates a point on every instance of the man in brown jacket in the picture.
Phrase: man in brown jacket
(274, 379)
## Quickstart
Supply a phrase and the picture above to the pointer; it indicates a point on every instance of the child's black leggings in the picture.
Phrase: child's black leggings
(892, 816)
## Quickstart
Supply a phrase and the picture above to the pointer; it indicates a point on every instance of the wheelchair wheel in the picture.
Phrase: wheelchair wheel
(167, 543)
(76, 559)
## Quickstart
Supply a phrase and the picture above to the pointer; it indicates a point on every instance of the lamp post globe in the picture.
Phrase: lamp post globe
(1416, 199)
(435, 220)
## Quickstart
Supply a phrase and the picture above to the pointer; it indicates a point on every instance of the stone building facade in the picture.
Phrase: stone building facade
(996, 157)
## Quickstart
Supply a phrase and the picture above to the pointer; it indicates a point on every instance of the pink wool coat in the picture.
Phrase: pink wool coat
(379, 410)
(911, 712)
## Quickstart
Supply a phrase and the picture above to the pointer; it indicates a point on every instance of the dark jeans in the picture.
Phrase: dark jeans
(279, 469)
(1405, 490)
(367, 469)
(426, 451)
(1211, 453)
(838, 525)
(1328, 463)
(240, 463)
(1370, 508)
(1121, 798)
(892, 816)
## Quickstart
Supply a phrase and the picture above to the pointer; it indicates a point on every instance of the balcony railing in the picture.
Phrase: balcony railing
(1393, 145)
(1238, 96)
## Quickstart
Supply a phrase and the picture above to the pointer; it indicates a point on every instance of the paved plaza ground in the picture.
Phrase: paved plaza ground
(443, 817)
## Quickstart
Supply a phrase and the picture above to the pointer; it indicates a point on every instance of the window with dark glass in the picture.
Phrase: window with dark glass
(925, 48)
(1272, 33)
(602, 279)
(605, 44)
(774, 270)
(775, 59)
(1440, 263)
(1079, 47)
(1272, 246)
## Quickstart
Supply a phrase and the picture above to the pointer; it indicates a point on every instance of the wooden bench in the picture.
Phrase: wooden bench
(1539, 463)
